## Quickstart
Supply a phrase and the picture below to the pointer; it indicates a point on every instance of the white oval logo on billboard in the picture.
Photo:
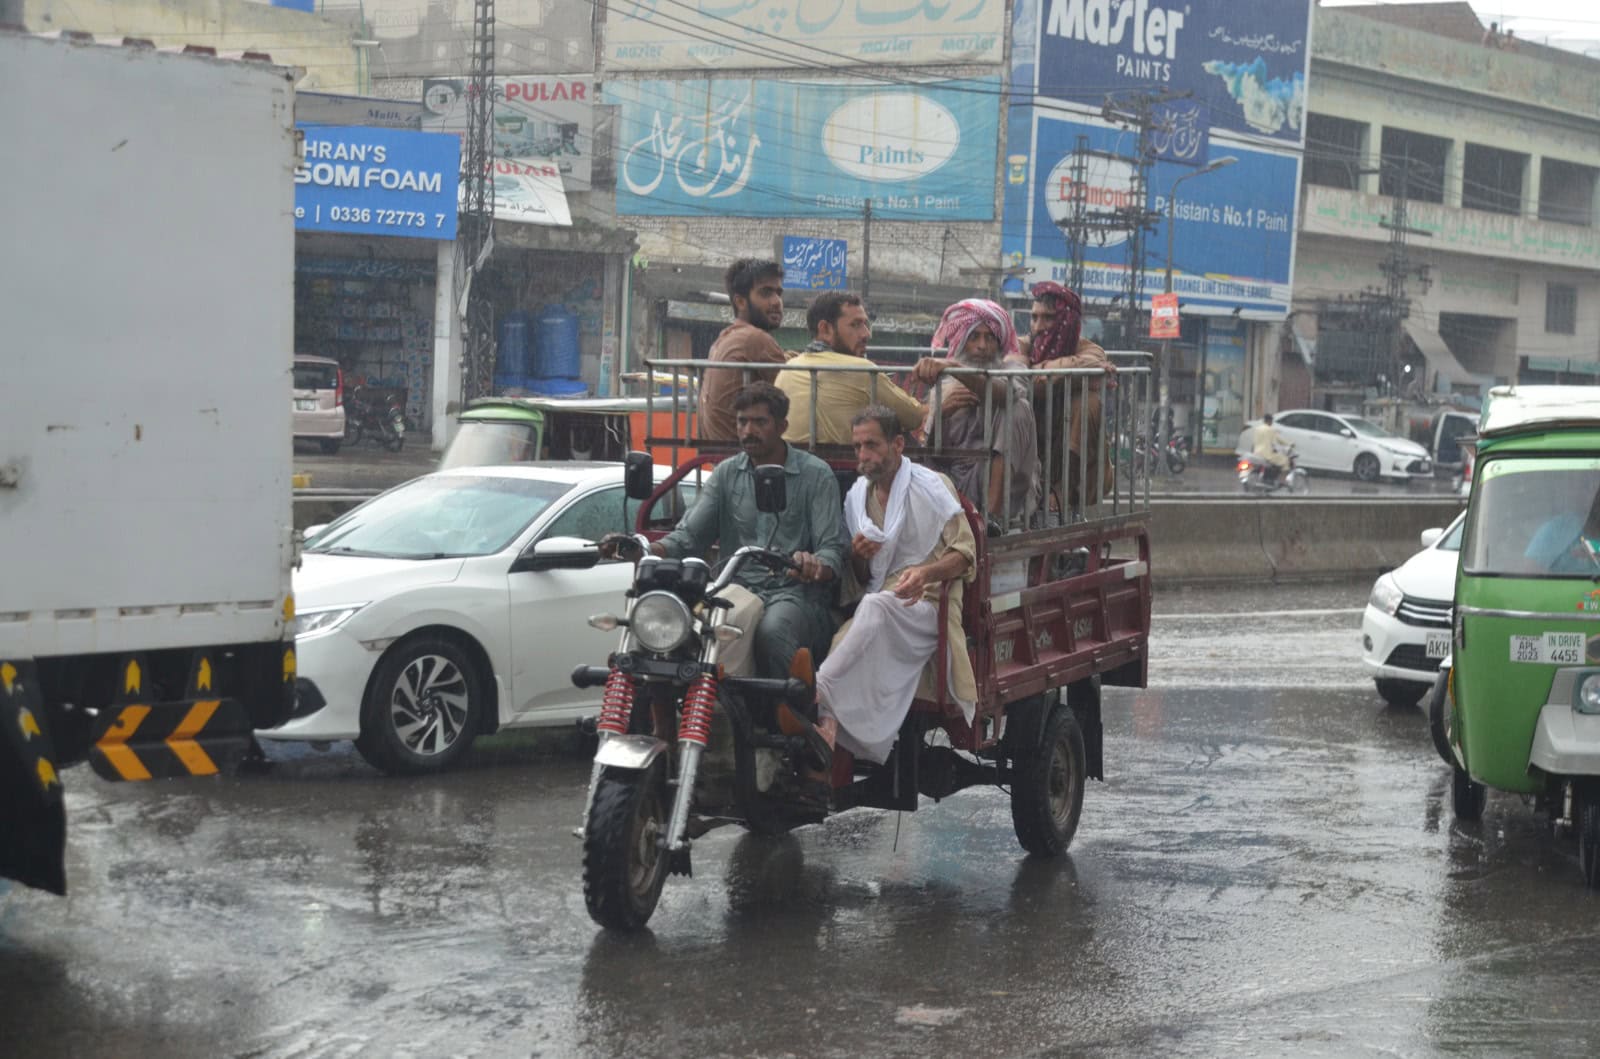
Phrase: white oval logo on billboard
(890, 136)
(1107, 187)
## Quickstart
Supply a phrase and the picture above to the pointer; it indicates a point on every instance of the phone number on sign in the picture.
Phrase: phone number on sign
(366, 215)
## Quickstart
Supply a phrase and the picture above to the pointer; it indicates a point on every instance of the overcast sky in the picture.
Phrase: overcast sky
(1571, 24)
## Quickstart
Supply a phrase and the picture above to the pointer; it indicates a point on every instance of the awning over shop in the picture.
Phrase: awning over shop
(1437, 354)
(529, 191)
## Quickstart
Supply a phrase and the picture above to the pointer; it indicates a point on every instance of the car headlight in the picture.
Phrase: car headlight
(323, 619)
(1589, 694)
(1386, 595)
(660, 622)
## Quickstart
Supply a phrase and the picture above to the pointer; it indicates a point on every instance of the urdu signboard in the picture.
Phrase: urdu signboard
(717, 34)
(759, 148)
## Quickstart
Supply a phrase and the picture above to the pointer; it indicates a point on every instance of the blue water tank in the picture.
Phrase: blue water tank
(513, 357)
(557, 355)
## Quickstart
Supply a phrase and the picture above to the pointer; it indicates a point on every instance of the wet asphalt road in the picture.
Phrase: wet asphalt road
(1271, 868)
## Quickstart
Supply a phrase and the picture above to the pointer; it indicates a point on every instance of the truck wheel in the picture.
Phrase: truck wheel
(1401, 693)
(1467, 797)
(1438, 721)
(423, 708)
(1367, 467)
(624, 866)
(1047, 792)
(1589, 836)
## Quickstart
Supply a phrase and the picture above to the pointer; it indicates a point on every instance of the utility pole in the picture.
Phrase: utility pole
(866, 254)
(475, 229)
(1397, 268)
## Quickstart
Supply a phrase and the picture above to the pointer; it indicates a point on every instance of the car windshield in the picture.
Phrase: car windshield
(1369, 429)
(1451, 541)
(440, 516)
(490, 444)
(1535, 517)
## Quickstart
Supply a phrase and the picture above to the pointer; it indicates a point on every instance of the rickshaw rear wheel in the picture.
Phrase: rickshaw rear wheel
(1589, 835)
(1047, 791)
(624, 866)
(1467, 796)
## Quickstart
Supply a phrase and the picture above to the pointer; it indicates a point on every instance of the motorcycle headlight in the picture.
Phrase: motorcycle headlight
(1386, 595)
(323, 619)
(660, 622)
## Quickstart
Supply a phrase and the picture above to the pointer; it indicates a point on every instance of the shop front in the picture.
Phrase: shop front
(375, 220)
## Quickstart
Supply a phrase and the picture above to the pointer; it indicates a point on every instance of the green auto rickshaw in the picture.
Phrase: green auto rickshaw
(1518, 706)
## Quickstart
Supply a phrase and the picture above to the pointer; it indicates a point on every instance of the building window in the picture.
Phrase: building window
(1566, 192)
(1413, 165)
(1491, 179)
(1333, 151)
(1560, 309)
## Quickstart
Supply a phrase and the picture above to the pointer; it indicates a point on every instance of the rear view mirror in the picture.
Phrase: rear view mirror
(772, 490)
(638, 476)
(1430, 535)
(558, 553)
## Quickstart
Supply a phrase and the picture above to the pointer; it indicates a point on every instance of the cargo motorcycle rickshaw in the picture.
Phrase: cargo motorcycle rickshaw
(1058, 606)
(1518, 706)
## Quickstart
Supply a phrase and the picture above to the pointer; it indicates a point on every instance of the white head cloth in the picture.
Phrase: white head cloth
(919, 506)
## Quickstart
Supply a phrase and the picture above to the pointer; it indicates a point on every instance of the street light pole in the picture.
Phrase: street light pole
(1161, 433)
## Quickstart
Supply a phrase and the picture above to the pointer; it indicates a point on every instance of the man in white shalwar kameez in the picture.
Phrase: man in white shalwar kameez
(908, 537)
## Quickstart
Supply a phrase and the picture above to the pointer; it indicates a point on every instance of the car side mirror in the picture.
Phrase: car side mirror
(772, 489)
(1346, 432)
(1430, 535)
(558, 553)
(311, 531)
(639, 475)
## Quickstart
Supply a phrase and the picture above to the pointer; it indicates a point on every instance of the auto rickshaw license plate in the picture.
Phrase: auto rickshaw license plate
(1553, 648)
(1438, 644)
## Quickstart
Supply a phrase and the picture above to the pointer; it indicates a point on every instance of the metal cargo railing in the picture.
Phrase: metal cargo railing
(1084, 470)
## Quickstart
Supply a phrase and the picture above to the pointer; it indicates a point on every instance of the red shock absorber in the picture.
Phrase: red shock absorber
(616, 707)
(697, 707)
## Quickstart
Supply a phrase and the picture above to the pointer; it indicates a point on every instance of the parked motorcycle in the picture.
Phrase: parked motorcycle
(1148, 453)
(384, 421)
(1257, 477)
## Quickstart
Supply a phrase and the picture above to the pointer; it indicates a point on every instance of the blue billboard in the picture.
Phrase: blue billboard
(1245, 60)
(377, 181)
(1224, 79)
(814, 264)
(1233, 229)
(754, 148)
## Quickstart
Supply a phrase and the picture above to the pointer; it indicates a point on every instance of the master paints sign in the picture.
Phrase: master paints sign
(749, 148)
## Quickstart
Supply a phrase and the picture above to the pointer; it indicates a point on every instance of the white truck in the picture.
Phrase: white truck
(146, 539)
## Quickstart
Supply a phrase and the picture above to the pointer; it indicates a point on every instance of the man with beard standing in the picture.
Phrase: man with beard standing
(755, 287)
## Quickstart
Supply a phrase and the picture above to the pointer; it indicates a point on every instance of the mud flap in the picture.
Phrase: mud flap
(198, 736)
(33, 816)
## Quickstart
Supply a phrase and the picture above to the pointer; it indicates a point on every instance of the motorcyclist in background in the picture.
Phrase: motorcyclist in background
(1268, 445)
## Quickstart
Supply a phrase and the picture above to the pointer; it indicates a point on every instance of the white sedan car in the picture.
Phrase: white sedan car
(424, 617)
(1405, 630)
(1344, 444)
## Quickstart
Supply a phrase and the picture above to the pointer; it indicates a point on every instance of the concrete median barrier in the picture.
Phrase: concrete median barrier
(1195, 541)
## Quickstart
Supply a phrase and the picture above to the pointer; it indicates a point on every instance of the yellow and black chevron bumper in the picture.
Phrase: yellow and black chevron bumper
(33, 817)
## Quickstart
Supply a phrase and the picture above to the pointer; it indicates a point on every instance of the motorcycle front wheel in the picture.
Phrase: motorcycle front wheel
(1176, 464)
(624, 865)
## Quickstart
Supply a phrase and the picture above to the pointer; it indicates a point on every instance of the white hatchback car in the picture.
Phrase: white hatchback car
(424, 619)
(1344, 444)
(319, 401)
(1405, 630)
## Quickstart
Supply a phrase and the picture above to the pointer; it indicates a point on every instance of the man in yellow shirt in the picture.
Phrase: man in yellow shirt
(839, 334)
